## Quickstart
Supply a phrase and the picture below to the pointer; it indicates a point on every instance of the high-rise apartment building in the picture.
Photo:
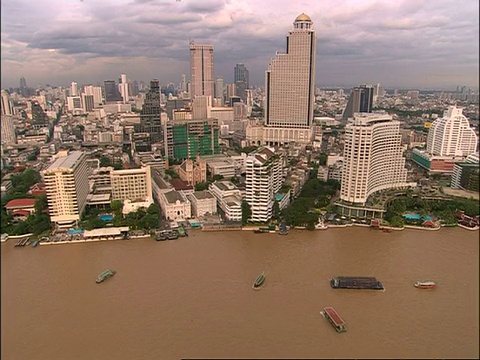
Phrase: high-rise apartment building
(360, 101)
(66, 182)
(263, 180)
(201, 68)
(372, 157)
(289, 84)
(7, 129)
(132, 184)
(124, 88)
(96, 91)
(87, 102)
(451, 135)
(74, 89)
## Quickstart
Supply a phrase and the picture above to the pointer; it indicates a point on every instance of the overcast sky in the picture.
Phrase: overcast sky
(411, 43)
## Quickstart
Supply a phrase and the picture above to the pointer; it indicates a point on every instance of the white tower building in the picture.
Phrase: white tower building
(66, 182)
(96, 91)
(124, 88)
(201, 68)
(7, 104)
(263, 181)
(373, 159)
(74, 89)
(289, 84)
(451, 135)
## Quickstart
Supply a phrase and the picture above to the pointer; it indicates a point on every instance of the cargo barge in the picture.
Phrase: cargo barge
(356, 282)
(334, 319)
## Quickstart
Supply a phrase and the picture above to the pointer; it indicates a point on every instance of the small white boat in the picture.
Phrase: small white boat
(425, 285)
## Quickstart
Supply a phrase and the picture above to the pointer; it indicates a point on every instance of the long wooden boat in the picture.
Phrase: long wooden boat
(259, 281)
(425, 285)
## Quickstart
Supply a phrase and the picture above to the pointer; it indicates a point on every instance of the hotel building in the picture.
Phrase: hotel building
(66, 183)
(373, 159)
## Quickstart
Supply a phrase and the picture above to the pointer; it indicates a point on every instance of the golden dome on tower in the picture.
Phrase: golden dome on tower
(303, 17)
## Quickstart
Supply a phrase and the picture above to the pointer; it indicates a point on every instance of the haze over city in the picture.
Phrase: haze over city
(416, 43)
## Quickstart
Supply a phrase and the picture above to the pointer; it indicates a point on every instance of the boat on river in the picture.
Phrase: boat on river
(259, 281)
(334, 319)
(425, 285)
(105, 275)
(283, 230)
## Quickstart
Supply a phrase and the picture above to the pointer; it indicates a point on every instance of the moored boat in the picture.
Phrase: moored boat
(105, 275)
(425, 285)
(259, 281)
(356, 282)
(334, 319)
(283, 230)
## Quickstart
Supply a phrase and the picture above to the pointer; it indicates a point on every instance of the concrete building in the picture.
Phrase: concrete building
(203, 203)
(7, 129)
(225, 167)
(96, 91)
(66, 183)
(263, 181)
(201, 69)
(373, 158)
(229, 199)
(360, 101)
(124, 87)
(7, 104)
(451, 135)
(289, 84)
(466, 174)
(132, 184)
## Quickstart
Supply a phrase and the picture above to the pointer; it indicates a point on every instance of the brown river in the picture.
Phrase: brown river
(193, 297)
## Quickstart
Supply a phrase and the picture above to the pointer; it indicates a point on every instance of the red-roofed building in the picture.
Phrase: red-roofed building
(20, 214)
(38, 189)
(181, 185)
(21, 204)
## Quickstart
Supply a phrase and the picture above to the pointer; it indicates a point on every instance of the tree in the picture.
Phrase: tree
(246, 212)
(105, 161)
(41, 204)
(201, 186)
(276, 210)
(217, 177)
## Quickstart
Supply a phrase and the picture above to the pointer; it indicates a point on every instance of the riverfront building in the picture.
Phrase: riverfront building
(229, 199)
(263, 181)
(373, 159)
(132, 184)
(66, 183)
(289, 85)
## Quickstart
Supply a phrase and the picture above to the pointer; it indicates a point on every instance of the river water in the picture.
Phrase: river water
(193, 297)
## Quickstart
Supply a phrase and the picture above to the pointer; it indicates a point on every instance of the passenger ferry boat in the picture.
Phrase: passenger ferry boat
(259, 281)
(425, 285)
(335, 320)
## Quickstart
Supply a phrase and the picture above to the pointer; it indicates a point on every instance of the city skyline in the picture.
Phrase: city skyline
(407, 44)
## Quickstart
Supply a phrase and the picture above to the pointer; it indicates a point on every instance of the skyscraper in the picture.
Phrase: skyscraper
(150, 115)
(360, 100)
(373, 159)
(289, 84)
(111, 91)
(73, 89)
(201, 68)
(23, 87)
(7, 104)
(124, 88)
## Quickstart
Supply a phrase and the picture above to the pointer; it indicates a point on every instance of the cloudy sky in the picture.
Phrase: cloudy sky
(401, 43)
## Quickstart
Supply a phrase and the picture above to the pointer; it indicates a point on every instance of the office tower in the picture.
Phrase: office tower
(135, 88)
(7, 104)
(263, 180)
(150, 115)
(373, 159)
(23, 87)
(240, 78)
(201, 68)
(66, 182)
(132, 184)
(88, 102)
(219, 89)
(289, 84)
(201, 107)
(124, 88)
(96, 91)
(451, 135)
(360, 100)
(7, 130)
(39, 118)
(111, 91)
(187, 139)
(74, 103)
(73, 89)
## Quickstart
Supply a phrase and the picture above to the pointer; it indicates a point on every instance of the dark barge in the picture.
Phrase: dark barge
(356, 282)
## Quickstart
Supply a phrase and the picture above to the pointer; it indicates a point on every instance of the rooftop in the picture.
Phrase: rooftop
(66, 162)
(20, 203)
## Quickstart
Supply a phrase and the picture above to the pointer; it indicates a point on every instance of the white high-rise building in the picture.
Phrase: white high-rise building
(96, 91)
(201, 69)
(7, 104)
(124, 88)
(74, 89)
(451, 135)
(263, 181)
(289, 84)
(66, 182)
(372, 157)
(132, 184)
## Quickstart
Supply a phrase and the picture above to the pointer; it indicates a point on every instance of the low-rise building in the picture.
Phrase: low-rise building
(203, 203)
(229, 199)
(175, 205)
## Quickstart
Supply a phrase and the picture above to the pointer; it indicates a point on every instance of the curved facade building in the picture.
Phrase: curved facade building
(373, 159)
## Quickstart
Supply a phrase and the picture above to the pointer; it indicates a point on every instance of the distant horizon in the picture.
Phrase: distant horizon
(407, 44)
